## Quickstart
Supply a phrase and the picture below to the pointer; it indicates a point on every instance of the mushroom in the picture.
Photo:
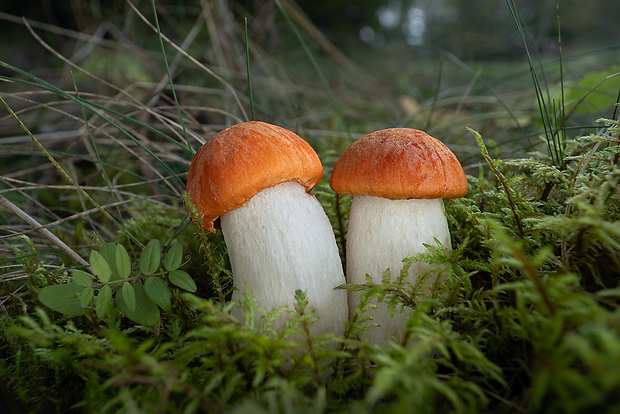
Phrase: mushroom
(257, 177)
(399, 178)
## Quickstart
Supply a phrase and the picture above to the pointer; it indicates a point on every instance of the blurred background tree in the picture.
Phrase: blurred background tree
(410, 56)
(472, 29)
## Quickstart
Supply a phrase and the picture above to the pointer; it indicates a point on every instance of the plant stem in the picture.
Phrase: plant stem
(45, 232)
(534, 277)
(67, 176)
(546, 192)
(501, 178)
(315, 65)
(215, 274)
(174, 94)
(247, 65)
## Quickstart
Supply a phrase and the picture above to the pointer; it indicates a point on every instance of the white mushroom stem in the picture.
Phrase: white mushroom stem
(381, 234)
(281, 240)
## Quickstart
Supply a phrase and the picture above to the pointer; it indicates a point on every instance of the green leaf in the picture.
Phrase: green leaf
(145, 312)
(599, 93)
(149, 259)
(174, 257)
(100, 266)
(158, 291)
(81, 278)
(183, 280)
(103, 302)
(123, 265)
(108, 251)
(86, 297)
(63, 298)
(129, 296)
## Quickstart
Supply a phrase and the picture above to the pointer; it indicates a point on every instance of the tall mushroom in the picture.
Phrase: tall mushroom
(257, 177)
(399, 178)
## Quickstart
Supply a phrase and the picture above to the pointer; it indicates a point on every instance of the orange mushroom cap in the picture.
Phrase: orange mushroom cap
(397, 164)
(238, 162)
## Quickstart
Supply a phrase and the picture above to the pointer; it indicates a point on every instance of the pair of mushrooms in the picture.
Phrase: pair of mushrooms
(257, 178)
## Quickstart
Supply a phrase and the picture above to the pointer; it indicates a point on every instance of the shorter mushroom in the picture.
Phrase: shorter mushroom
(257, 177)
(399, 178)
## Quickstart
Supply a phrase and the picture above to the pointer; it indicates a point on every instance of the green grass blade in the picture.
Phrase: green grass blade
(96, 149)
(552, 122)
(247, 65)
(173, 91)
(91, 106)
(64, 173)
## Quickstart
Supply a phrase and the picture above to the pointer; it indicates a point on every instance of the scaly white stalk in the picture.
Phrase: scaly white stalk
(381, 234)
(281, 240)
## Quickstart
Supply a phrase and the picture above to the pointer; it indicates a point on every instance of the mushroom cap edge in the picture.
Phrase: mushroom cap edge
(241, 160)
(399, 163)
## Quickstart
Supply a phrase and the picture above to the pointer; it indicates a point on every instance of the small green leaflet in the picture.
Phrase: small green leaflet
(81, 278)
(129, 296)
(174, 257)
(87, 296)
(100, 267)
(149, 259)
(63, 298)
(122, 262)
(158, 291)
(108, 251)
(183, 280)
(103, 302)
(145, 312)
